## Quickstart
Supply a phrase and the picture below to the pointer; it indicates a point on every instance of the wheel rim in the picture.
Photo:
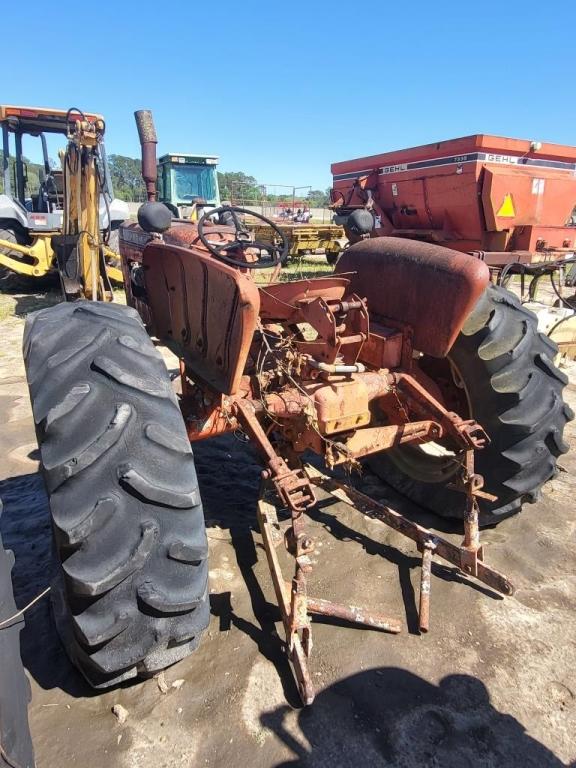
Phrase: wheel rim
(432, 462)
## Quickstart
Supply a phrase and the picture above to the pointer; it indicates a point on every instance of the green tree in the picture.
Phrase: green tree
(126, 173)
(33, 171)
(237, 186)
(317, 199)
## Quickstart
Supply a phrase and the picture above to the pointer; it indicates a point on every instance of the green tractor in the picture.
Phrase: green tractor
(188, 183)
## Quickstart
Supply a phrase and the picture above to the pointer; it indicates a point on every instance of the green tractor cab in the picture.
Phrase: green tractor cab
(188, 182)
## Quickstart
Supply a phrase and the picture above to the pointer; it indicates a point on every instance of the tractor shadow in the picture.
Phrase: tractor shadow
(26, 529)
(20, 295)
(229, 478)
(26, 304)
(391, 717)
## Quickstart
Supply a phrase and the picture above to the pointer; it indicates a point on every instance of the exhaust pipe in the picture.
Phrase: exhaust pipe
(148, 141)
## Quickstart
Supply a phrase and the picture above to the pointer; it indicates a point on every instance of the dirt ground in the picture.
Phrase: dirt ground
(493, 683)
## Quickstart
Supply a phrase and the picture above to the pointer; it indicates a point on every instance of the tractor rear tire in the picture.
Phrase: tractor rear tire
(131, 592)
(15, 740)
(14, 233)
(514, 391)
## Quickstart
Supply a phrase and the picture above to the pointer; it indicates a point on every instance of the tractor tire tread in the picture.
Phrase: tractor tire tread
(125, 505)
(515, 391)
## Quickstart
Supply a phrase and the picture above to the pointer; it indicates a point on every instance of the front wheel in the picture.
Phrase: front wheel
(131, 590)
(12, 233)
(500, 372)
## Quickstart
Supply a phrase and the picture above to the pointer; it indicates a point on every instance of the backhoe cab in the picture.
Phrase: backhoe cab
(35, 208)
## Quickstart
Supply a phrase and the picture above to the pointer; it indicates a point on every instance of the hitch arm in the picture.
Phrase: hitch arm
(467, 433)
(292, 486)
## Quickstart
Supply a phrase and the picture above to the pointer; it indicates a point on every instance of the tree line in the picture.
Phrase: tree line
(125, 172)
(33, 171)
(234, 185)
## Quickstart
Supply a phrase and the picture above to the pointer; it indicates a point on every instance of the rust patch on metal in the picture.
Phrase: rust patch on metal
(206, 311)
(431, 288)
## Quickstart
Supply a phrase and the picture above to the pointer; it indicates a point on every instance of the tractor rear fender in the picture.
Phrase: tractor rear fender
(431, 288)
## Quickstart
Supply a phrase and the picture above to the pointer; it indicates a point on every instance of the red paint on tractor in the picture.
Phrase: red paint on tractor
(432, 289)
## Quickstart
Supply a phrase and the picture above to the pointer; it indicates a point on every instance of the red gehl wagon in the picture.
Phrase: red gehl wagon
(506, 199)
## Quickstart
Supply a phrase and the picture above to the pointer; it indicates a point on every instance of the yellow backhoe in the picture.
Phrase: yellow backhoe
(67, 220)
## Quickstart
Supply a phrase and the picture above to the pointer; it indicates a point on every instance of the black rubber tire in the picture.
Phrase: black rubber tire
(131, 596)
(15, 233)
(12, 279)
(114, 245)
(9, 231)
(15, 740)
(515, 392)
(10, 235)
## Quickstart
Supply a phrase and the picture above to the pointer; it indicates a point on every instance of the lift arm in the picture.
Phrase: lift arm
(80, 250)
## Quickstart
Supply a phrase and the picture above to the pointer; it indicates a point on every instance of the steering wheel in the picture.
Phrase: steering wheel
(243, 241)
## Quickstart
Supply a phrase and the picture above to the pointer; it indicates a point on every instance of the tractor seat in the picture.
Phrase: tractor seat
(54, 188)
(203, 309)
(51, 193)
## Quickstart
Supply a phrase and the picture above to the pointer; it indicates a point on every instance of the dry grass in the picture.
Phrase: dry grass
(20, 296)
(20, 302)
(297, 269)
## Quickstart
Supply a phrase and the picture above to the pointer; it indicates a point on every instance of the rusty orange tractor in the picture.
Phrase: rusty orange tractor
(405, 355)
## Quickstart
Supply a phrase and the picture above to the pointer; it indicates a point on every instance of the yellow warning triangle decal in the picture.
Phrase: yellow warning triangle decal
(506, 210)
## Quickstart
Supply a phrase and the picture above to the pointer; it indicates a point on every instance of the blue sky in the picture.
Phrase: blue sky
(281, 90)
